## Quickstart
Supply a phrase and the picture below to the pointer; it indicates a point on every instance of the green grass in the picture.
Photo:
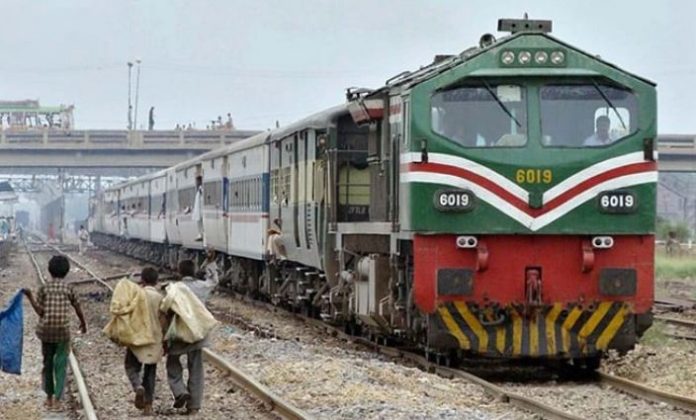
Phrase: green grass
(675, 267)
(655, 336)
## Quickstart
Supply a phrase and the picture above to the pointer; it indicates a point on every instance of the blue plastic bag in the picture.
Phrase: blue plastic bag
(12, 335)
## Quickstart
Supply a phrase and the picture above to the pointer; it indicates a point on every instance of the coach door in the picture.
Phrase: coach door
(352, 172)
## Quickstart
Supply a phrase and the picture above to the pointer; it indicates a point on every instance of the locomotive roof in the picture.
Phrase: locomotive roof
(409, 78)
(405, 79)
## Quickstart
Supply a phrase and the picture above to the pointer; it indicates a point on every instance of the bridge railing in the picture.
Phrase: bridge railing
(122, 139)
(676, 141)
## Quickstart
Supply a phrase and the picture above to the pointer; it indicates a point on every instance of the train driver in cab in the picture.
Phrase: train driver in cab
(601, 136)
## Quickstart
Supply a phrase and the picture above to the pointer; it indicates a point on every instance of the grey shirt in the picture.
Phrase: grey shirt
(201, 288)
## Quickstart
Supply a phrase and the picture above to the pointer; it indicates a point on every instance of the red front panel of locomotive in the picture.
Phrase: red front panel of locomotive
(500, 269)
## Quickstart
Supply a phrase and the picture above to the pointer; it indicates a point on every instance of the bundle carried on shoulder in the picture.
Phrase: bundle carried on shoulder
(130, 322)
(192, 321)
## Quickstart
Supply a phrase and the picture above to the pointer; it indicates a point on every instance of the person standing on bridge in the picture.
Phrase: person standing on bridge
(52, 305)
(151, 119)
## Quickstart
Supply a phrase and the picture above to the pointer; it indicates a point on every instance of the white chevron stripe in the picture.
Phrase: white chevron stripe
(520, 216)
(592, 171)
(470, 165)
(516, 190)
(480, 192)
(608, 185)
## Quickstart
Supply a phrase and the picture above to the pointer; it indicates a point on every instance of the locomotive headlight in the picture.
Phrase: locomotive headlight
(603, 242)
(467, 242)
(525, 57)
(541, 57)
(507, 57)
(558, 57)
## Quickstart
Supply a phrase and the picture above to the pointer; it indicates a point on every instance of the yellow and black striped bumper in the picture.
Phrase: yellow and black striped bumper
(549, 331)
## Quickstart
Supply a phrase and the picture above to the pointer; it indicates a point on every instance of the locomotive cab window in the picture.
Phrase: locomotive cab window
(586, 114)
(481, 115)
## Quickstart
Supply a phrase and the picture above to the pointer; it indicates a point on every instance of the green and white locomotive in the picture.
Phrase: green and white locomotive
(499, 202)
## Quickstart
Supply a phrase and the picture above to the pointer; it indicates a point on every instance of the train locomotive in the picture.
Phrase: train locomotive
(498, 203)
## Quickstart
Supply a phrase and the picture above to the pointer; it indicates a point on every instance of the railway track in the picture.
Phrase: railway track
(687, 327)
(526, 401)
(501, 392)
(241, 379)
(651, 394)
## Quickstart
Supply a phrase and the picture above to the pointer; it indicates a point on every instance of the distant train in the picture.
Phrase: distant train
(499, 202)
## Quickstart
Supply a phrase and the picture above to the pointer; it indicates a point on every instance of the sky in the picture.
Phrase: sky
(281, 60)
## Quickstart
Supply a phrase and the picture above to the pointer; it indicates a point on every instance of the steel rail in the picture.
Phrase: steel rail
(517, 400)
(648, 393)
(116, 277)
(684, 323)
(630, 387)
(676, 321)
(243, 380)
(82, 392)
(94, 275)
(681, 336)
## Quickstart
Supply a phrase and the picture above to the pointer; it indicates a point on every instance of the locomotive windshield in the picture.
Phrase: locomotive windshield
(586, 115)
(482, 115)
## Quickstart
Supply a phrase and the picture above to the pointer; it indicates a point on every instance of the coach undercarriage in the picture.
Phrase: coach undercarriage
(346, 300)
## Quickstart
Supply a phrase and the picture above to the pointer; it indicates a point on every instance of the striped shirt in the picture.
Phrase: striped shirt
(55, 298)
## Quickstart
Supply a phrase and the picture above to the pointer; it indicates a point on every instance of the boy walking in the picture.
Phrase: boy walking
(143, 359)
(52, 305)
(191, 293)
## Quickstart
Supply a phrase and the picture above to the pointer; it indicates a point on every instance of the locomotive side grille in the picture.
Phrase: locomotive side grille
(618, 282)
(550, 331)
(455, 281)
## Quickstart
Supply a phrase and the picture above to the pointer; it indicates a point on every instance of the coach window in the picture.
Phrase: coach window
(482, 114)
(586, 114)
(246, 194)
(256, 193)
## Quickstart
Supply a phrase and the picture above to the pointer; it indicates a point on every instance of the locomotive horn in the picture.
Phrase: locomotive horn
(486, 40)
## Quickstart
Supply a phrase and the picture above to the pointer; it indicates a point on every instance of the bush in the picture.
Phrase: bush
(664, 226)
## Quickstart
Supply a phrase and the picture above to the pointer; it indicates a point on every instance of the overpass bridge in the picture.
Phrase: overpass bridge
(677, 152)
(131, 153)
(106, 152)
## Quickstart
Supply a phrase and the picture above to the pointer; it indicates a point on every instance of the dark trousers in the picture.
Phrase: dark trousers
(175, 375)
(149, 372)
(55, 360)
